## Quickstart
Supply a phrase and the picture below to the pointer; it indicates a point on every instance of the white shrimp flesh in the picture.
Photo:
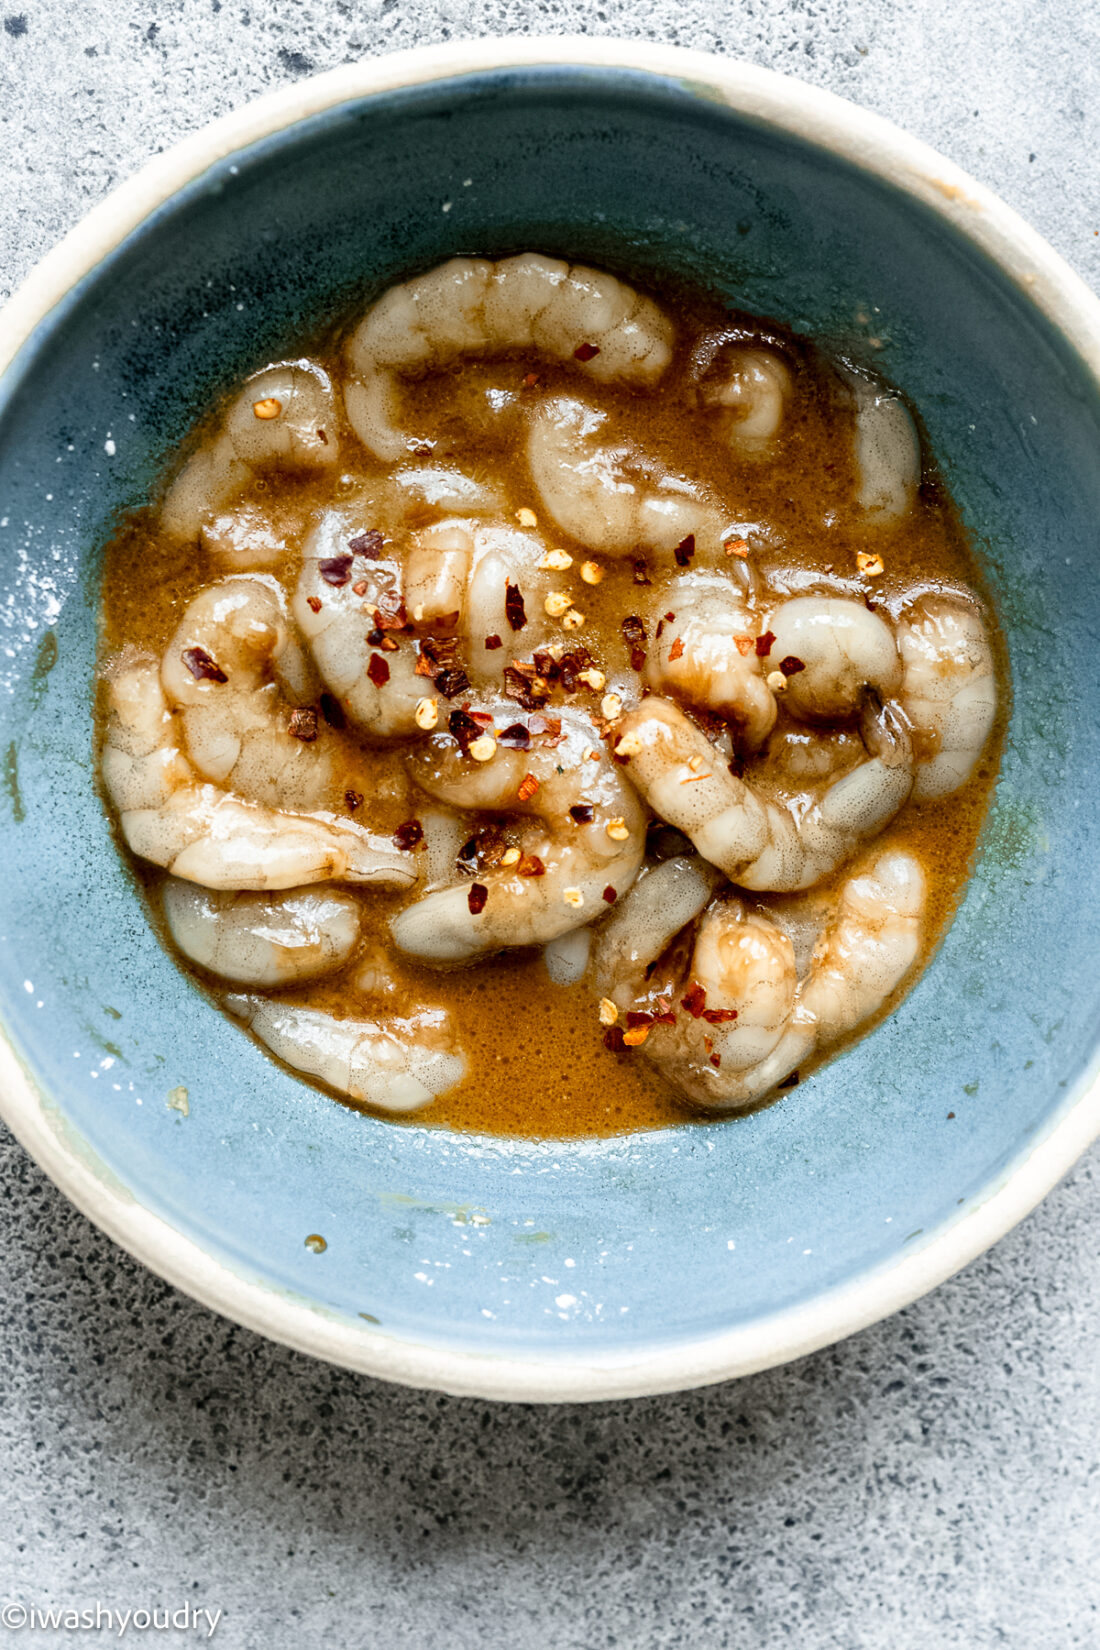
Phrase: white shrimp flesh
(948, 690)
(706, 654)
(264, 940)
(395, 1063)
(830, 650)
(205, 834)
(758, 843)
(613, 498)
(285, 419)
(886, 451)
(745, 389)
(574, 840)
(469, 306)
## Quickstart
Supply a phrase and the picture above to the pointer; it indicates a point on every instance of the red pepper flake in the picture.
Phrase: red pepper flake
(476, 898)
(525, 691)
(514, 610)
(303, 723)
(492, 643)
(390, 618)
(715, 1060)
(719, 1016)
(790, 666)
(530, 865)
(378, 670)
(586, 352)
(641, 571)
(451, 683)
(360, 587)
(745, 645)
(333, 711)
(367, 544)
(685, 550)
(665, 1018)
(764, 644)
(483, 718)
(528, 785)
(737, 547)
(635, 637)
(388, 644)
(313, 603)
(463, 728)
(515, 738)
(335, 570)
(202, 666)
(789, 1082)
(582, 812)
(695, 999)
(322, 437)
(610, 894)
(676, 651)
(613, 1039)
(671, 617)
(353, 800)
(637, 1017)
(530, 379)
(409, 835)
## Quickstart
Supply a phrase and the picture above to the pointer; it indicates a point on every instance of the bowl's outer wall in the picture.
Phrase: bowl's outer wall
(607, 1247)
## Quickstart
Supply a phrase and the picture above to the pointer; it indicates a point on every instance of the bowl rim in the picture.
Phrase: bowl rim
(869, 143)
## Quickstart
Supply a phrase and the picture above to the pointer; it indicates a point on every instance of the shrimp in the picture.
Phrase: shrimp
(843, 649)
(706, 653)
(948, 690)
(203, 833)
(468, 306)
(612, 498)
(758, 843)
(455, 577)
(745, 388)
(397, 1063)
(264, 940)
(285, 418)
(240, 680)
(886, 450)
(641, 926)
(243, 541)
(742, 1020)
(346, 582)
(577, 837)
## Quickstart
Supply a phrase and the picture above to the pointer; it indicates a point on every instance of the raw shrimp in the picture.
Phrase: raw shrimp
(243, 540)
(948, 690)
(578, 829)
(285, 418)
(395, 1063)
(264, 940)
(843, 649)
(661, 902)
(886, 449)
(469, 306)
(745, 389)
(244, 686)
(203, 833)
(742, 1019)
(758, 843)
(347, 580)
(612, 498)
(706, 653)
(455, 578)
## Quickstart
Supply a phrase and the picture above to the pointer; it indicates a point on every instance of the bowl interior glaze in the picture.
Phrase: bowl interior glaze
(591, 1251)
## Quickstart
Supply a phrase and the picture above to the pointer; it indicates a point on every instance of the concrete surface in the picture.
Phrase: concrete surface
(931, 1484)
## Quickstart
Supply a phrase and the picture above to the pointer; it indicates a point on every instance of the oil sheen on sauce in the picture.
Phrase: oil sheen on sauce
(537, 1064)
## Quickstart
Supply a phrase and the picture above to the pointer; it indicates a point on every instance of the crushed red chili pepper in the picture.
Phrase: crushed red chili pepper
(676, 651)
(303, 723)
(367, 544)
(492, 643)
(335, 570)
(586, 352)
(790, 666)
(685, 550)
(202, 666)
(313, 603)
(515, 737)
(476, 898)
(610, 894)
(353, 800)
(719, 1016)
(694, 999)
(514, 610)
(409, 835)
(613, 1039)
(333, 711)
(378, 670)
(528, 785)
(764, 644)
(582, 813)
(530, 865)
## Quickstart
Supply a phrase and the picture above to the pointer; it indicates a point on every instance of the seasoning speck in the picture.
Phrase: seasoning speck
(378, 670)
(426, 714)
(617, 830)
(608, 1012)
(586, 352)
(178, 1100)
(573, 897)
(526, 517)
(476, 898)
(557, 603)
(483, 748)
(591, 572)
(269, 407)
(202, 667)
(870, 566)
(409, 835)
(316, 1244)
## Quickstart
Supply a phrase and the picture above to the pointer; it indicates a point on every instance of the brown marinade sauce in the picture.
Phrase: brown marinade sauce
(537, 1064)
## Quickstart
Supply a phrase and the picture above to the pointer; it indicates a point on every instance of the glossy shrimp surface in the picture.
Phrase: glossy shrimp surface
(550, 705)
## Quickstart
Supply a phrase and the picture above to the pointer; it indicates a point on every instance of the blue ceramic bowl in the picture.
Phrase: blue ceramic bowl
(582, 1269)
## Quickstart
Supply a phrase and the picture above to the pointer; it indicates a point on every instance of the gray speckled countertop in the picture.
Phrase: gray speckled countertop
(930, 1484)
